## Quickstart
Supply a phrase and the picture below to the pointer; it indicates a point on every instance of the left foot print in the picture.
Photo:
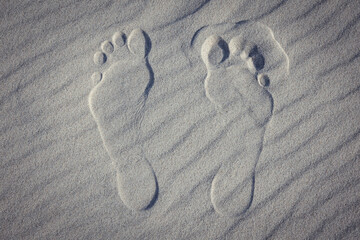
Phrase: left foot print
(117, 103)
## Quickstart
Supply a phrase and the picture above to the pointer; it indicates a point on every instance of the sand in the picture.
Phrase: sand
(176, 120)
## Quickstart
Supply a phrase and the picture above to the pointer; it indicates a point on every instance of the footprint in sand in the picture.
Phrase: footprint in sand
(117, 102)
(241, 60)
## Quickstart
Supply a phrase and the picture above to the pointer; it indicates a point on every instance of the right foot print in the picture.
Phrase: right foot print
(117, 103)
(238, 71)
(232, 88)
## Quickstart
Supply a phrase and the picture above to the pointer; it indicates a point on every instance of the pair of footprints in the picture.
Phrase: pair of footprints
(119, 95)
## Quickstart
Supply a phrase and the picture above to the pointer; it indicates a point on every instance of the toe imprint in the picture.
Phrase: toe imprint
(139, 43)
(256, 62)
(237, 45)
(107, 47)
(263, 80)
(99, 58)
(214, 50)
(96, 78)
(119, 39)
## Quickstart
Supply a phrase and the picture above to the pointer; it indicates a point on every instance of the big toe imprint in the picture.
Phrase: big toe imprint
(241, 61)
(117, 103)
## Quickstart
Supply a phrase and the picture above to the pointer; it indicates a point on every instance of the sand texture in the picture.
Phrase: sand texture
(180, 119)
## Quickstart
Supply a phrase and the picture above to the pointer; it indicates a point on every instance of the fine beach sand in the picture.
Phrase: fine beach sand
(177, 120)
